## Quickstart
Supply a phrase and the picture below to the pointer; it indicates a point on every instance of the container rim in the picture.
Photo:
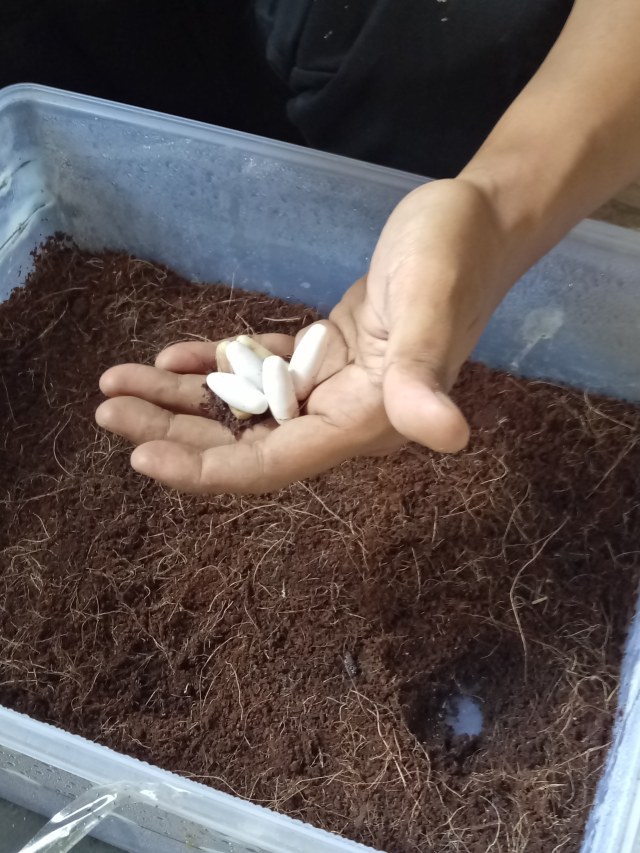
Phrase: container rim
(593, 231)
(212, 809)
(36, 93)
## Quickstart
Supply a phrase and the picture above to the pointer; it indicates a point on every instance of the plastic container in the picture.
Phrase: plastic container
(220, 205)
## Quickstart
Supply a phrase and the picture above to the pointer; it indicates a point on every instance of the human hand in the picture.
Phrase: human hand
(160, 409)
(396, 343)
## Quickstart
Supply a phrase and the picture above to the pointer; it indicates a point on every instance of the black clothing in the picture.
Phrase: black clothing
(415, 84)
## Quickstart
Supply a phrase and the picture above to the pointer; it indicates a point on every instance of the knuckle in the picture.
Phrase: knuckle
(259, 480)
(169, 426)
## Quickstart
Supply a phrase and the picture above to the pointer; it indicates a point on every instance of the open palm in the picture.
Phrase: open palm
(159, 409)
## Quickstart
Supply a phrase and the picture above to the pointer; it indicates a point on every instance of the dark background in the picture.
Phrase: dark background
(196, 58)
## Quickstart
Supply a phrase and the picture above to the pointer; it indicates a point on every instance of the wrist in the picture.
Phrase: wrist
(542, 175)
(536, 198)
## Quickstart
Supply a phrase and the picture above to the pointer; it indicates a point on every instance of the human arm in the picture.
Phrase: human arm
(446, 257)
(452, 250)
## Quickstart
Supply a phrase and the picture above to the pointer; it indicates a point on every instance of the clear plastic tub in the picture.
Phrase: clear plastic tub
(221, 205)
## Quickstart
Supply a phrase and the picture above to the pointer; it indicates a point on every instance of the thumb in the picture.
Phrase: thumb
(415, 401)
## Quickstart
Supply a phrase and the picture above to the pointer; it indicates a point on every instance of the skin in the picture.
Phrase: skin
(445, 259)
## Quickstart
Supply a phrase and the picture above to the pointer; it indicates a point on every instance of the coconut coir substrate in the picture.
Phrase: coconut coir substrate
(310, 650)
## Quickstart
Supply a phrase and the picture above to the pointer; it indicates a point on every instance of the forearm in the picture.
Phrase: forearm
(572, 138)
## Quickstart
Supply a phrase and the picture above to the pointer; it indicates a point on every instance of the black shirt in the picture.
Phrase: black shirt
(415, 84)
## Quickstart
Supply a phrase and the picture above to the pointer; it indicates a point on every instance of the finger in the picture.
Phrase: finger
(200, 356)
(421, 362)
(188, 357)
(277, 343)
(140, 421)
(301, 448)
(420, 411)
(183, 393)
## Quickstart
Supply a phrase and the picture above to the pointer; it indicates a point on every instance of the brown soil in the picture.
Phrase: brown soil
(213, 407)
(305, 650)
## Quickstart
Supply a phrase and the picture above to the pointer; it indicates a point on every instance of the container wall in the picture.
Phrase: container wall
(27, 210)
(212, 203)
(614, 825)
(218, 205)
(43, 768)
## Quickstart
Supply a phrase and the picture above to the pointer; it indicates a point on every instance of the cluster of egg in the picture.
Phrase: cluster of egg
(260, 380)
